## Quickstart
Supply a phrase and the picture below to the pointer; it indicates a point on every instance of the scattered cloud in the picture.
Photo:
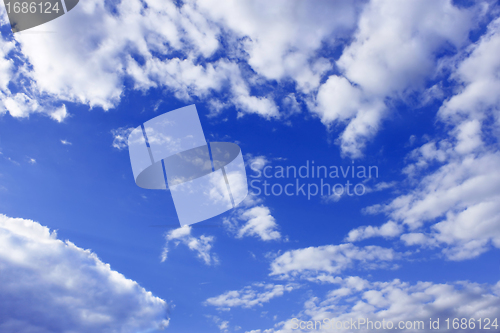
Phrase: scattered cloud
(395, 301)
(312, 262)
(120, 137)
(455, 203)
(248, 297)
(387, 230)
(256, 221)
(201, 245)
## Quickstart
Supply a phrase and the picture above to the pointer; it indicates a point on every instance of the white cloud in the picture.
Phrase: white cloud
(393, 52)
(281, 38)
(257, 222)
(312, 262)
(248, 297)
(459, 200)
(120, 137)
(92, 68)
(201, 245)
(66, 143)
(59, 114)
(223, 325)
(478, 77)
(257, 163)
(49, 285)
(388, 229)
(20, 105)
(397, 301)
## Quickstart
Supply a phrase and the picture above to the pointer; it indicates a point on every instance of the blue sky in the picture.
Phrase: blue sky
(411, 89)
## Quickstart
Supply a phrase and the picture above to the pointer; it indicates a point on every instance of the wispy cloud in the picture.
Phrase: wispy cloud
(202, 245)
(249, 297)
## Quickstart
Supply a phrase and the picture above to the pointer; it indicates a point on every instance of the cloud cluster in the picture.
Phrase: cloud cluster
(202, 50)
(455, 206)
(397, 301)
(394, 51)
(48, 285)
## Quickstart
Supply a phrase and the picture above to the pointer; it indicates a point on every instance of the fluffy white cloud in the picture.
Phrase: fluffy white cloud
(248, 297)
(393, 52)
(48, 285)
(281, 38)
(313, 262)
(201, 245)
(257, 222)
(477, 75)
(90, 65)
(388, 229)
(397, 301)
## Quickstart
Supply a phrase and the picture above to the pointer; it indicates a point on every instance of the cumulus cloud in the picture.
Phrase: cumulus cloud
(248, 297)
(202, 245)
(49, 285)
(393, 52)
(323, 262)
(396, 301)
(283, 46)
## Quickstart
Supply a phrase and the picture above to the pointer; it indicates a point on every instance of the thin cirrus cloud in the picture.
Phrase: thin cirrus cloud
(250, 296)
(49, 285)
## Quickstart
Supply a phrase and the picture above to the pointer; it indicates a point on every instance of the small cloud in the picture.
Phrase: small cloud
(201, 245)
(32, 161)
(257, 222)
(255, 295)
(60, 114)
(67, 143)
(120, 137)
(157, 105)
